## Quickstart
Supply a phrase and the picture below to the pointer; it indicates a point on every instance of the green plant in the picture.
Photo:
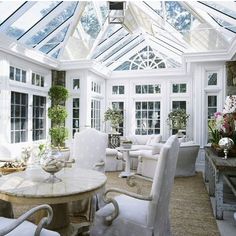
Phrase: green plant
(57, 113)
(114, 116)
(214, 133)
(177, 119)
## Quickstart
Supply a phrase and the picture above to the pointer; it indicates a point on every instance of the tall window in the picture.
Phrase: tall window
(75, 118)
(19, 117)
(120, 106)
(211, 109)
(147, 117)
(178, 105)
(96, 114)
(39, 117)
(96, 87)
(17, 74)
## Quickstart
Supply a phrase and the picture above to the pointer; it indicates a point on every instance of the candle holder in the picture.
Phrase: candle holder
(226, 144)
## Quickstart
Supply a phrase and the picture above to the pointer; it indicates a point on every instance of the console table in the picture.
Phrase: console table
(215, 171)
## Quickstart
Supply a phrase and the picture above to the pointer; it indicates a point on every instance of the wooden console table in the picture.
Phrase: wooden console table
(215, 170)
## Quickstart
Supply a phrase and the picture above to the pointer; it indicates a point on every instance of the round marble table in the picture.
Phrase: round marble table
(29, 187)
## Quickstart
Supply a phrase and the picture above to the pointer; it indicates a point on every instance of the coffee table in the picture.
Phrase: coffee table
(126, 157)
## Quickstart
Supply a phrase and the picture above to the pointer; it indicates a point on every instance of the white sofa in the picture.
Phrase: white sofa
(141, 143)
(186, 161)
(113, 160)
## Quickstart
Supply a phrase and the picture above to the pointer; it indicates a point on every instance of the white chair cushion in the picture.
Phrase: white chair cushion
(25, 229)
(153, 139)
(142, 147)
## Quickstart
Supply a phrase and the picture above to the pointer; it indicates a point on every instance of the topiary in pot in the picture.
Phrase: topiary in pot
(57, 113)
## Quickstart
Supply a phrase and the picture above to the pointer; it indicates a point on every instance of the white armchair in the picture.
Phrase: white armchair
(20, 226)
(135, 214)
(89, 151)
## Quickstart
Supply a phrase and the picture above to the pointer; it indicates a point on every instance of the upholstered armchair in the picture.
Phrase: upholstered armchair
(89, 152)
(138, 215)
(20, 226)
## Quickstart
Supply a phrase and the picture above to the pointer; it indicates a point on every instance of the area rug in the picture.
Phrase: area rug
(190, 208)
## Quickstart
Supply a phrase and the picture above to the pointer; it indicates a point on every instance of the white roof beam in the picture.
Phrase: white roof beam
(74, 22)
(21, 11)
(83, 34)
(214, 12)
(126, 56)
(43, 22)
(98, 12)
(98, 39)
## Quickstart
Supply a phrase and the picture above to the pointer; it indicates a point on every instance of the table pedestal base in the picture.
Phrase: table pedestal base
(125, 174)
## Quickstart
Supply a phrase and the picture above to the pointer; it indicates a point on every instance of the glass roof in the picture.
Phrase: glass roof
(153, 35)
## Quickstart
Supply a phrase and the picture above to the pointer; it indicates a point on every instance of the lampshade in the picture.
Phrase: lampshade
(230, 104)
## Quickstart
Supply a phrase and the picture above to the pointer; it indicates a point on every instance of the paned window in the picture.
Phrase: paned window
(120, 106)
(17, 74)
(96, 114)
(37, 80)
(148, 89)
(75, 118)
(147, 116)
(179, 88)
(39, 117)
(211, 109)
(19, 117)
(96, 87)
(118, 89)
(76, 84)
(211, 78)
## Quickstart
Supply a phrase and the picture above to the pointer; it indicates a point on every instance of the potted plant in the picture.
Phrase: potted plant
(177, 120)
(57, 113)
(114, 116)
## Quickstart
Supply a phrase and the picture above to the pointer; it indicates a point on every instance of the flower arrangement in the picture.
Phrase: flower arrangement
(114, 116)
(222, 126)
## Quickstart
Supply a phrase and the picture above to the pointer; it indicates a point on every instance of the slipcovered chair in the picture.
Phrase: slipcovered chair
(20, 226)
(89, 152)
(137, 215)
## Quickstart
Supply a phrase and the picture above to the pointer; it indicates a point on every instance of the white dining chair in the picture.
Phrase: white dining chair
(89, 152)
(22, 227)
(137, 215)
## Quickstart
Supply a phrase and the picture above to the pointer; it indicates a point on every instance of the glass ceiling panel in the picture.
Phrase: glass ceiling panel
(104, 10)
(156, 6)
(225, 24)
(53, 24)
(221, 8)
(113, 30)
(54, 41)
(7, 8)
(55, 54)
(89, 21)
(32, 16)
(178, 16)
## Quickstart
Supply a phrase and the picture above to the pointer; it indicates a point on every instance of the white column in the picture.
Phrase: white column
(85, 101)
(5, 100)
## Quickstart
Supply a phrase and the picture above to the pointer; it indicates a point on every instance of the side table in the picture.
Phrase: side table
(126, 157)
